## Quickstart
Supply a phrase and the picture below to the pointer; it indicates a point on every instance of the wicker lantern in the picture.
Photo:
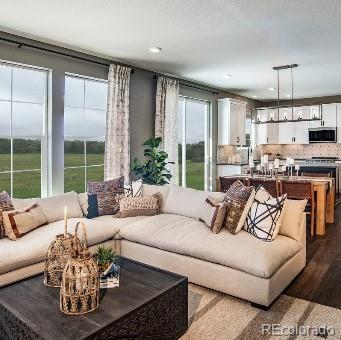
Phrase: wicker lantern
(58, 253)
(79, 293)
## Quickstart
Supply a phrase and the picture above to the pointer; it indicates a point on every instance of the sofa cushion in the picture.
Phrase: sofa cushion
(108, 195)
(188, 202)
(20, 222)
(149, 190)
(32, 247)
(291, 218)
(213, 215)
(119, 223)
(187, 236)
(53, 207)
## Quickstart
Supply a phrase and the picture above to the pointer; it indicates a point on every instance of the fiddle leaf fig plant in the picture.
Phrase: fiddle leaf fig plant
(153, 170)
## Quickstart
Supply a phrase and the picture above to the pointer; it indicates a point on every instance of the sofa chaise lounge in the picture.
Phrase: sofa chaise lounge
(240, 265)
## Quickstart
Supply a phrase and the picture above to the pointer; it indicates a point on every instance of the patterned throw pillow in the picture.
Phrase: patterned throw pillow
(264, 217)
(238, 200)
(19, 222)
(5, 205)
(133, 188)
(213, 214)
(108, 195)
(140, 206)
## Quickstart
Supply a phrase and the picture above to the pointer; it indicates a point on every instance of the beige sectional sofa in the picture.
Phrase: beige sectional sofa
(240, 265)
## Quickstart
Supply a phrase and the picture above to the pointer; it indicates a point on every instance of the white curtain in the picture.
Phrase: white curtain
(117, 138)
(167, 97)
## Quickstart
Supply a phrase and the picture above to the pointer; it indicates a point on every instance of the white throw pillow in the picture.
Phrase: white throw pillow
(53, 207)
(213, 214)
(264, 218)
(188, 202)
(133, 188)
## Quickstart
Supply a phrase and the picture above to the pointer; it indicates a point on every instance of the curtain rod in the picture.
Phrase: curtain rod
(22, 44)
(188, 85)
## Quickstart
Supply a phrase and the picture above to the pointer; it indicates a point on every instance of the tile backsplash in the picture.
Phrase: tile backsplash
(301, 150)
(287, 150)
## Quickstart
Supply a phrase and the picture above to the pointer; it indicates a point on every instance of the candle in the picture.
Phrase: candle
(284, 168)
(262, 161)
(258, 168)
(252, 165)
(266, 159)
(297, 167)
(270, 166)
(276, 163)
(65, 220)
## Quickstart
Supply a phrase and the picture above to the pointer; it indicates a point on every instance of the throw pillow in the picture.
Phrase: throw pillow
(263, 219)
(213, 215)
(19, 222)
(140, 206)
(238, 200)
(133, 188)
(291, 218)
(108, 195)
(5, 205)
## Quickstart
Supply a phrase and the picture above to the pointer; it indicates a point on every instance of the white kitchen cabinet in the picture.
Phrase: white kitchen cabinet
(315, 113)
(231, 121)
(267, 133)
(286, 133)
(293, 133)
(301, 133)
(329, 115)
(338, 122)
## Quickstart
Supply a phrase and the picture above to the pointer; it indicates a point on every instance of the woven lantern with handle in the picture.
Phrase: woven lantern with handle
(58, 253)
(79, 292)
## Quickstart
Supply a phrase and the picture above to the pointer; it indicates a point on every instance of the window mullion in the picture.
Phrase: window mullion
(11, 134)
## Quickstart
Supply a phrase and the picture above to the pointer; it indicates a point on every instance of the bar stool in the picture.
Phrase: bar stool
(226, 182)
(269, 184)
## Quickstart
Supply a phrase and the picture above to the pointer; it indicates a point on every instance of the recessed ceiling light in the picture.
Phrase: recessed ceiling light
(254, 96)
(227, 75)
(155, 49)
(271, 89)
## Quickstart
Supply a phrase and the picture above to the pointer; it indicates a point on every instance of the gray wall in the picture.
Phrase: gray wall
(142, 99)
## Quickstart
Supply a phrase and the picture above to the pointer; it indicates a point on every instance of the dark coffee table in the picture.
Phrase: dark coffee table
(149, 304)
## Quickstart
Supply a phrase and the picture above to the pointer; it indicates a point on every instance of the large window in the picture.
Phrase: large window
(22, 130)
(193, 143)
(84, 131)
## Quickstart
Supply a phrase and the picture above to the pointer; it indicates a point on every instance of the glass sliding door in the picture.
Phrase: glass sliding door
(193, 143)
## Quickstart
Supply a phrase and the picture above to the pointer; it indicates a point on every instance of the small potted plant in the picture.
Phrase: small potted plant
(105, 257)
(109, 270)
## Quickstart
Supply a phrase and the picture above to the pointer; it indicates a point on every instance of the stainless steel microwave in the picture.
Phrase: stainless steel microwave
(322, 135)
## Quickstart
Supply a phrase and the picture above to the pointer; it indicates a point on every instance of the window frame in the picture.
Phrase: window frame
(208, 141)
(84, 139)
(43, 138)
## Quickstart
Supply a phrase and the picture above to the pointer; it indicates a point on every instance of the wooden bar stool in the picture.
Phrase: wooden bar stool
(226, 182)
(298, 190)
(269, 184)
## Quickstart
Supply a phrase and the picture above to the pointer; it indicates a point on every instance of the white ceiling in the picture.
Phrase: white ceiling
(200, 39)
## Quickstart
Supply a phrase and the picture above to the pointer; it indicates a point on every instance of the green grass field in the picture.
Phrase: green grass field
(28, 184)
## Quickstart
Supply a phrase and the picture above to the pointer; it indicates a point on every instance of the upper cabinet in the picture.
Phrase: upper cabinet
(231, 121)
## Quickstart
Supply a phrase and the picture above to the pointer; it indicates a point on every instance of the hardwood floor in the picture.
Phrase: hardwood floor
(320, 281)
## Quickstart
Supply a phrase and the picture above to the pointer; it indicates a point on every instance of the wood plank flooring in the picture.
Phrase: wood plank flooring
(320, 281)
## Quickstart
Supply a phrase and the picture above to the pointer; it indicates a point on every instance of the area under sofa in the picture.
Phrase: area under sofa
(240, 265)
